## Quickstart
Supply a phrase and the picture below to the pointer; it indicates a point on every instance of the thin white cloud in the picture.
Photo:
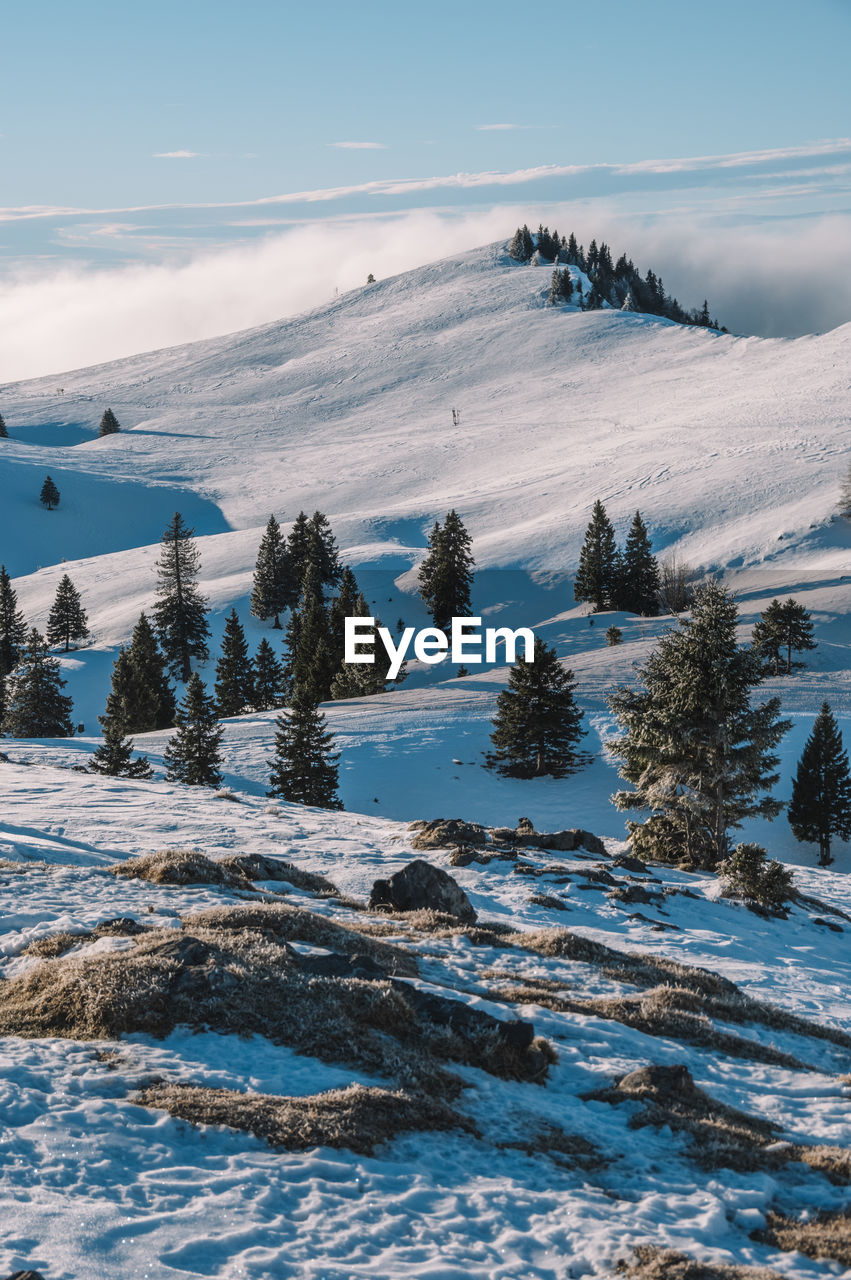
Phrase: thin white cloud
(359, 146)
(459, 181)
(496, 128)
(176, 155)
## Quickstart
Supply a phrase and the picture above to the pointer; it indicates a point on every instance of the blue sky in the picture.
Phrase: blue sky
(153, 133)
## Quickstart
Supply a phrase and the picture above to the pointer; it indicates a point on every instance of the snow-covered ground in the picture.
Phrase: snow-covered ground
(733, 448)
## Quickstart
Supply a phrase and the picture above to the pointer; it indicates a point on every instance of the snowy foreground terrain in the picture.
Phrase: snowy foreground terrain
(733, 449)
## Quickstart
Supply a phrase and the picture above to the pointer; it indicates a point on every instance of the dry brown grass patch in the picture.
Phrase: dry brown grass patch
(55, 944)
(826, 1236)
(356, 1118)
(667, 1264)
(255, 866)
(180, 866)
(284, 923)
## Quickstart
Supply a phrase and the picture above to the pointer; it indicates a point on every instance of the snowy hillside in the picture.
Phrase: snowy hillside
(133, 1010)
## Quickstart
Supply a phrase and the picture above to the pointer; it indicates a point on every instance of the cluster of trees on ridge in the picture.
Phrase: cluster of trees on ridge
(616, 284)
(695, 687)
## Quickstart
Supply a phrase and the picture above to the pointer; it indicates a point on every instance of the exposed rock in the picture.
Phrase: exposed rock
(627, 863)
(599, 875)
(828, 924)
(422, 887)
(442, 832)
(25, 1275)
(632, 893)
(548, 900)
(657, 1080)
(334, 965)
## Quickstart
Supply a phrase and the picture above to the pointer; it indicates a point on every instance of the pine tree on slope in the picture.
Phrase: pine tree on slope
(820, 807)
(304, 767)
(234, 671)
(766, 640)
(36, 707)
(4, 434)
(67, 620)
(114, 756)
(192, 755)
(697, 754)
(446, 574)
(49, 496)
(597, 578)
(310, 642)
(639, 577)
(13, 629)
(787, 626)
(538, 725)
(275, 584)
(180, 610)
(270, 682)
(142, 698)
(109, 424)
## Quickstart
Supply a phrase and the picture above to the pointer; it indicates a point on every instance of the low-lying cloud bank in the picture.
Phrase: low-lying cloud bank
(774, 279)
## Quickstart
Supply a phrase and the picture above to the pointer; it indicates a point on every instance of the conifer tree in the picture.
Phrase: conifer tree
(141, 697)
(180, 610)
(114, 756)
(49, 496)
(598, 575)
(4, 434)
(323, 551)
(446, 574)
(270, 682)
(298, 546)
(109, 424)
(639, 572)
(782, 629)
(192, 755)
(310, 643)
(304, 767)
(537, 724)
(13, 629)
(2, 699)
(275, 584)
(820, 807)
(234, 671)
(36, 707)
(695, 751)
(67, 620)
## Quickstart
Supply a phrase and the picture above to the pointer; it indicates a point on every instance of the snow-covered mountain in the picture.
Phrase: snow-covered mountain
(733, 449)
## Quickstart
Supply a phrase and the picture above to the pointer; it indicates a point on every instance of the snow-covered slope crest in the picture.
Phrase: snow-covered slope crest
(725, 443)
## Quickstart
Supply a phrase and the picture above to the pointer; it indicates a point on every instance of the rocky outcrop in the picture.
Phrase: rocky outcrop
(443, 832)
(422, 887)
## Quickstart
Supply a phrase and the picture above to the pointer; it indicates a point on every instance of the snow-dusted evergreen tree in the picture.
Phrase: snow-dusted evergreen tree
(275, 584)
(312, 542)
(109, 424)
(310, 665)
(304, 768)
(67, 620)
(783, 629)
(234, 671)
(114, 756)
(598, 576)
(4, 434)
(639, 573)
(270, 682)
(696, 753)
(13, 629)
(180, 612)
(521, 247)
(141, 697)
(820, 807)
(36, 707)
(537, 726)
(561, 287)
(49, 496)
(192, 755)
(446, 574)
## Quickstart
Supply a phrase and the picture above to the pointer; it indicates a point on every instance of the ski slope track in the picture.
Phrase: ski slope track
(733, 448)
